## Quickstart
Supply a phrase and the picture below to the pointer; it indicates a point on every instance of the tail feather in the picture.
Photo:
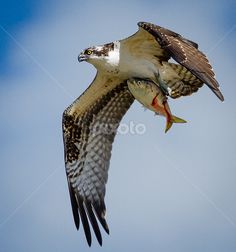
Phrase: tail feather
(173, 119)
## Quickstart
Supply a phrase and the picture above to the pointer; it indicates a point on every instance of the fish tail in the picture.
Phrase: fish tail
(173, 119)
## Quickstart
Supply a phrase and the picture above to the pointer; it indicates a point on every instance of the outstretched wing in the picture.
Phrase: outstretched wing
(186, 53)
(89, 128)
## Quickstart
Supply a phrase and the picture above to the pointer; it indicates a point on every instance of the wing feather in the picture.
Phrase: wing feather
(84, 220)
(186, 53)
(93, 221)
(181, 81)
(89, 128)
(74, 205)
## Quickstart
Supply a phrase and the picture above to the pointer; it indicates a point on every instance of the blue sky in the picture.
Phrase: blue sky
(12, 16)
(166, 192)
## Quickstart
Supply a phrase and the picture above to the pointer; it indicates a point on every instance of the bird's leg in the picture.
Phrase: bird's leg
(162, 84)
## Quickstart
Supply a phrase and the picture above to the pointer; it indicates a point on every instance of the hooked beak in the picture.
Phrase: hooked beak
(82, 57)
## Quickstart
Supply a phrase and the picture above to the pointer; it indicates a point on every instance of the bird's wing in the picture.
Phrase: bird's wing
(144, 44)
(186, 53)
(89, 128)
(180, 81)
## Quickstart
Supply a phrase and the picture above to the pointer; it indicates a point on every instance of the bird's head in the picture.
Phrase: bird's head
(88, 54)
(102, 55)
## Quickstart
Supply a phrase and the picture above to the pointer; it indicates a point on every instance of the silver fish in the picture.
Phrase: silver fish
(153, 98)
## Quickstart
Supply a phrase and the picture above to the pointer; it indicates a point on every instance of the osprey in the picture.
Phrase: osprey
(91, 121)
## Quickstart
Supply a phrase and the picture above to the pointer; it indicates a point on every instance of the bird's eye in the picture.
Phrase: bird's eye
(89, 52)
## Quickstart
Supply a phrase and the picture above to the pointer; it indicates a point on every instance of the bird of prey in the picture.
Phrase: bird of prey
(91, 121)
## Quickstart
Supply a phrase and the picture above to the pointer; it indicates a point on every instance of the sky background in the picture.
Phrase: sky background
(166, 192)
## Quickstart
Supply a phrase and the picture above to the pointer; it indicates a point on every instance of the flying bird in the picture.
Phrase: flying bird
(91, 121)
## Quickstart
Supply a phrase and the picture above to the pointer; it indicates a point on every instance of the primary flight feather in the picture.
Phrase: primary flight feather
(91, 121)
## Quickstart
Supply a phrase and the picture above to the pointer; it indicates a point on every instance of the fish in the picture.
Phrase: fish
(151, 96)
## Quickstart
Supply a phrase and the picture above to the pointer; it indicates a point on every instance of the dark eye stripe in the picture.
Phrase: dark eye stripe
(102, 51)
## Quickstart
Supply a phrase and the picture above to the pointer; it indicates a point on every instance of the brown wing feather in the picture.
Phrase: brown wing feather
(186, 53)
(89, 128)
(185, 84)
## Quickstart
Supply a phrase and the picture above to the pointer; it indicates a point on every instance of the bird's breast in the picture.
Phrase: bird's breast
(132, 66)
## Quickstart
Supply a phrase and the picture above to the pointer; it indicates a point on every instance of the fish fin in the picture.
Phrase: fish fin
(176, 119)
(168, 125)
(173, 119)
